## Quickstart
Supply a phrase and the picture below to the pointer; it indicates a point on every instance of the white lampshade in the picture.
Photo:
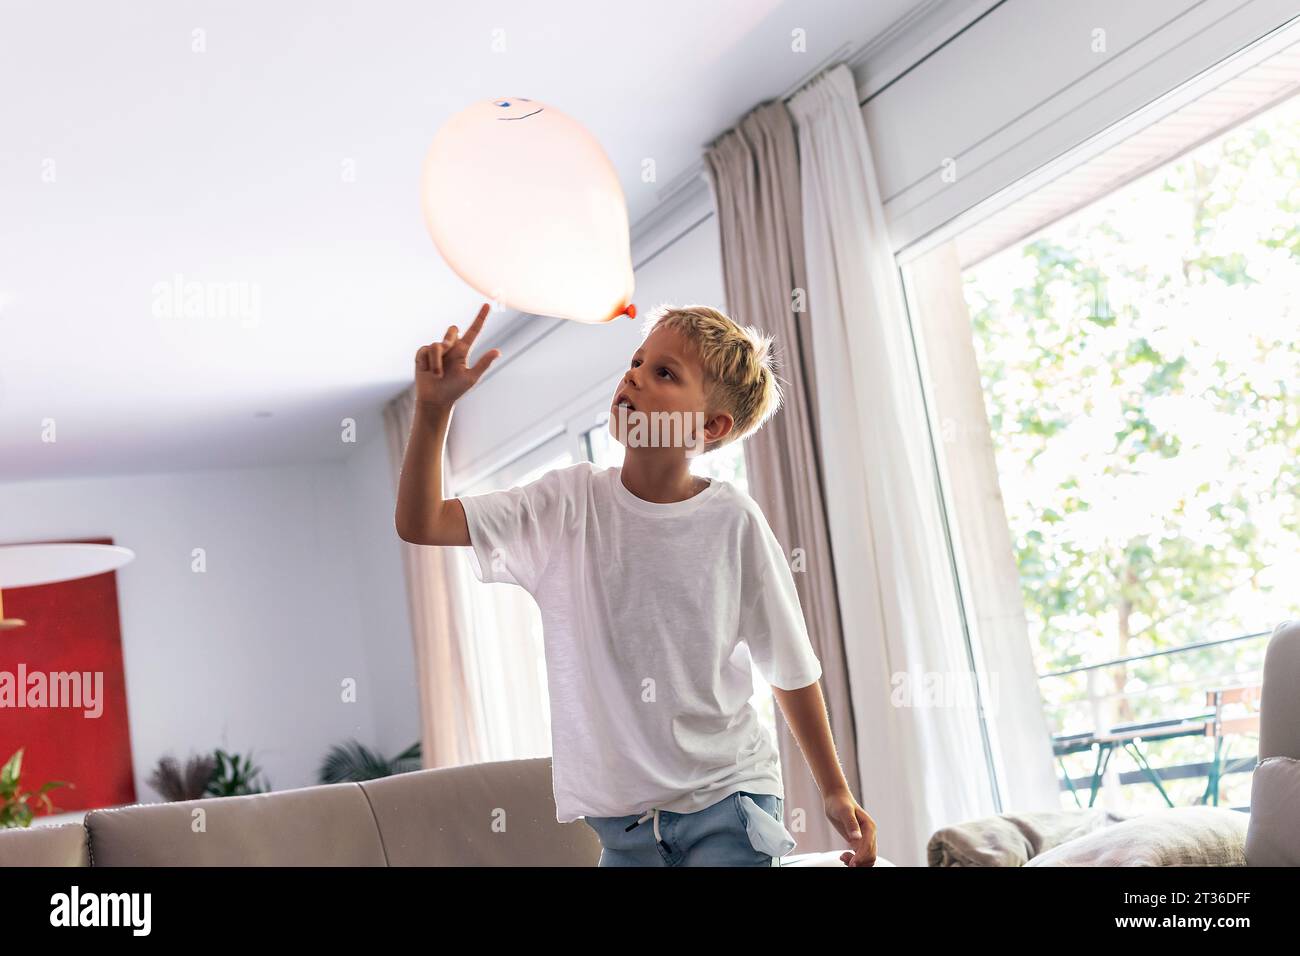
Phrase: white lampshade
(26, 565)
(525, 206)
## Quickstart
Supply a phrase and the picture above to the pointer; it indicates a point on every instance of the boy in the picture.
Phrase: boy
(655, 587)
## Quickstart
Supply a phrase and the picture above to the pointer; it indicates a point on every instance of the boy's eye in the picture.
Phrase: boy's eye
(636, 362)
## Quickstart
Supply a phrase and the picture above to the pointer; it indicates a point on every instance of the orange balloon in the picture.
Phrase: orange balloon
(525, 206)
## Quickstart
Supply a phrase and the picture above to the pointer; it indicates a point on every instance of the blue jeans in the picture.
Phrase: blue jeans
(714, 836)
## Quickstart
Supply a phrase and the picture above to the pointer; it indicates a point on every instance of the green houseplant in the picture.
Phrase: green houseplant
(353, 761)
(235, 776)
(15, 804)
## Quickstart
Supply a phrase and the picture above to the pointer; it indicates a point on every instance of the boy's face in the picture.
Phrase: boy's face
(664, 375)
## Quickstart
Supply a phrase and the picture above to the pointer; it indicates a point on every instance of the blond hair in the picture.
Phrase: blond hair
(739, 369)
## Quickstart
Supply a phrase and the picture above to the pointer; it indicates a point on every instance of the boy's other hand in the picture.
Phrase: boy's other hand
(442, 370)
(855, 825)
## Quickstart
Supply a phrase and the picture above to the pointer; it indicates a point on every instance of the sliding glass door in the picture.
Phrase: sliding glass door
(1111, 369)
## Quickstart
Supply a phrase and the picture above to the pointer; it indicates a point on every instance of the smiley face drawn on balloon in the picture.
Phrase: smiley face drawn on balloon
(514, 108)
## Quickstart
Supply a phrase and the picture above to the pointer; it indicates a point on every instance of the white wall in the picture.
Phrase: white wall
(303, 589)
(381, 587)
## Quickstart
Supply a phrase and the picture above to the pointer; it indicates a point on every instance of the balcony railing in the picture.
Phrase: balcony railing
(1219, 703)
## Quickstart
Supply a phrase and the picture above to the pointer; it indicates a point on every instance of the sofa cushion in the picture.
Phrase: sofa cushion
(328, 825)
(1013, 839)
(487, 814)
(1180, 836)
(44, 846)
(1274, 835)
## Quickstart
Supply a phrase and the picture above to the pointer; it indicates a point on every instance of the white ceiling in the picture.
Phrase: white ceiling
(227, 166)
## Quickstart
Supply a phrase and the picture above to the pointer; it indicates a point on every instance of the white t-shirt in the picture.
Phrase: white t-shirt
(650, 615)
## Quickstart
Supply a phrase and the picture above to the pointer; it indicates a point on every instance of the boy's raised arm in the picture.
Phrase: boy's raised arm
(442, 375)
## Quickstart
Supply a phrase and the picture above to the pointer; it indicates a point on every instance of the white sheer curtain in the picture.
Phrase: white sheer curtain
(439, 626)
(507, 657)
(924, 759)
(506, 668)
(477, 647)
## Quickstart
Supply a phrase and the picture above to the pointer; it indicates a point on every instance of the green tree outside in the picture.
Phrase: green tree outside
(1139, 364)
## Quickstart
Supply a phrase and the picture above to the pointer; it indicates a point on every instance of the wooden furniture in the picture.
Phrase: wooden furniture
(1247, 696)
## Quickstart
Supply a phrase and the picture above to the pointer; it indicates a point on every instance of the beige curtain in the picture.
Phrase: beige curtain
(448, 729)
(754, 173)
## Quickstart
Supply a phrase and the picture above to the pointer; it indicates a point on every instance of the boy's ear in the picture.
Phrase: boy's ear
(718, 426)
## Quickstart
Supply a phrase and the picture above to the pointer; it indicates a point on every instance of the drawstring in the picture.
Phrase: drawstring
(658, 839)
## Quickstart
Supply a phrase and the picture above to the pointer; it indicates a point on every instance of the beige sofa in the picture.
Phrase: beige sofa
(491, 814)
(488, 814)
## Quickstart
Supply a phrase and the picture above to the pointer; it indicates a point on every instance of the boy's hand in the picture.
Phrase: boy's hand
(855, 825)
(442, 371)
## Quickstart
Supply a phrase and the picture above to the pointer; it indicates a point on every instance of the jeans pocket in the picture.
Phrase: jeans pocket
(767, 834)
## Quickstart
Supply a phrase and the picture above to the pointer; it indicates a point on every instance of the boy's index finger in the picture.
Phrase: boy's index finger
(469, 337)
